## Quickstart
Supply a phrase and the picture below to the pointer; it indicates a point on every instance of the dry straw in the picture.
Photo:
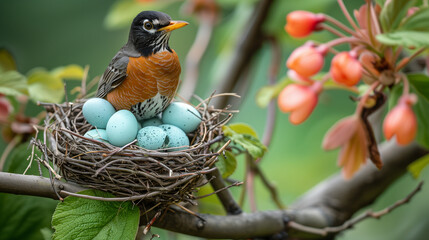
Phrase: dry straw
(152, 178)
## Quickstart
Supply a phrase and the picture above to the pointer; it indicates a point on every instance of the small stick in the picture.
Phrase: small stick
(190, 212)
(348, 224)
(149, 225)
(235, 184)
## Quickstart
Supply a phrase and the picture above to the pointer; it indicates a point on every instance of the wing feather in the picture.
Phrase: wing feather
(116, 72)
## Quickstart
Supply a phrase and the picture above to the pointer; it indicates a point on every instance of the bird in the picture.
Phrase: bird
(143, 76)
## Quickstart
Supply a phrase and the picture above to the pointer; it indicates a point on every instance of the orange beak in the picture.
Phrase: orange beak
(174, 25)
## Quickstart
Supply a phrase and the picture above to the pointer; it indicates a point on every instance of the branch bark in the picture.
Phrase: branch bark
(330, 203)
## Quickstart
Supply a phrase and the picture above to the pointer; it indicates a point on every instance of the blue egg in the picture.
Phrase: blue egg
(122, 128)
(151, 122)
(151, 137)
(97, 134)
(176, 137)
(182, 115)
(97, 112)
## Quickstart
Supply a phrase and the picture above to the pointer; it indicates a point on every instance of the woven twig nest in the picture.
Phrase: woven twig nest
(131, 172)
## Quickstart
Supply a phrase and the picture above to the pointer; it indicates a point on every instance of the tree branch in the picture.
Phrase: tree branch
(194, 57)
(331, 203)
(246, 48)
(34, 185)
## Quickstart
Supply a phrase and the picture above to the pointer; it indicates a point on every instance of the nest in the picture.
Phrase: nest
(157, 178)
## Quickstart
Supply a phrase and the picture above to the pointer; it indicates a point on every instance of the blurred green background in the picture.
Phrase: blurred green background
(49, 34)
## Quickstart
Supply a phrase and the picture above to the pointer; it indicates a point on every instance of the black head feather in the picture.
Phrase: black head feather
(144, 32)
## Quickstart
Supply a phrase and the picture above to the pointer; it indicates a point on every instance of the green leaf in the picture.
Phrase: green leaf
(227, 163)
(420, 83)
(421, 109)
(7, 63)
(395, 94)
(391, 14)
(79, 218)
(13, 83)
(420, 86)
(405, 38)
(252, 144)
(72, 71)
(419, 21)
(22, 217)
(267, 93)
(45, 87)
(417, 166)
(243, 128)
(123, 12)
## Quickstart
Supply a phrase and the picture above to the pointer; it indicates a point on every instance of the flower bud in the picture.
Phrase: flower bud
(306, 61)
(302, 23)
(299, 100)
(346, 69)
(401, 121)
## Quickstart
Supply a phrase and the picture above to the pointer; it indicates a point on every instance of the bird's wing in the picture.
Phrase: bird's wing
(116, 72)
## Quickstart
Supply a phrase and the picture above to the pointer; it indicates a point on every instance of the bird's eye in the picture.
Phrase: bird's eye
(147, 25)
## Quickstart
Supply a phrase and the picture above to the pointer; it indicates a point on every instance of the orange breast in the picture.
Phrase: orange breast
(147, 76)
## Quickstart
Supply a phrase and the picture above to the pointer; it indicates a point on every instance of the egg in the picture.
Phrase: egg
(176, 137)
(122, 128)
(151, 122)
(97, 134)
(151, 137)
(182, 115)
(97, 112)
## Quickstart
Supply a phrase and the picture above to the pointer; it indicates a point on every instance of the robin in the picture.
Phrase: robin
(144, 75)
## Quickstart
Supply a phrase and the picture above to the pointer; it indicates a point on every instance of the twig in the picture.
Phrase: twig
(271, 188)
(235, 184)
(190, 212)
(194, 56)
(15, 140)
(225, 197)
(270, 122)
(246, 49)
(349, 224)
(31, 157)
(150, 223)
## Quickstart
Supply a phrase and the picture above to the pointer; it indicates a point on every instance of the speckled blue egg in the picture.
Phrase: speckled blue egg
(97, 134)
(176, 137)
(97, 112)
(182, 115)
(151, 137)
(122, 128)
(155, 121)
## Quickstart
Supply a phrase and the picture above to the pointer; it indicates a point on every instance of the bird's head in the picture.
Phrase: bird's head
(150, 32)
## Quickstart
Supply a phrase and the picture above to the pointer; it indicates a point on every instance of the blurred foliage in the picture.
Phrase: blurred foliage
(39, 84)
(56, 33)
(23, 217)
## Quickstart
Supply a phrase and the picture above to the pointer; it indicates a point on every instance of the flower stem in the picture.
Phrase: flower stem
(332, 30)
(406, 83)
(406, 60)
(340, 25)
(347, 15)
(343, 40)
